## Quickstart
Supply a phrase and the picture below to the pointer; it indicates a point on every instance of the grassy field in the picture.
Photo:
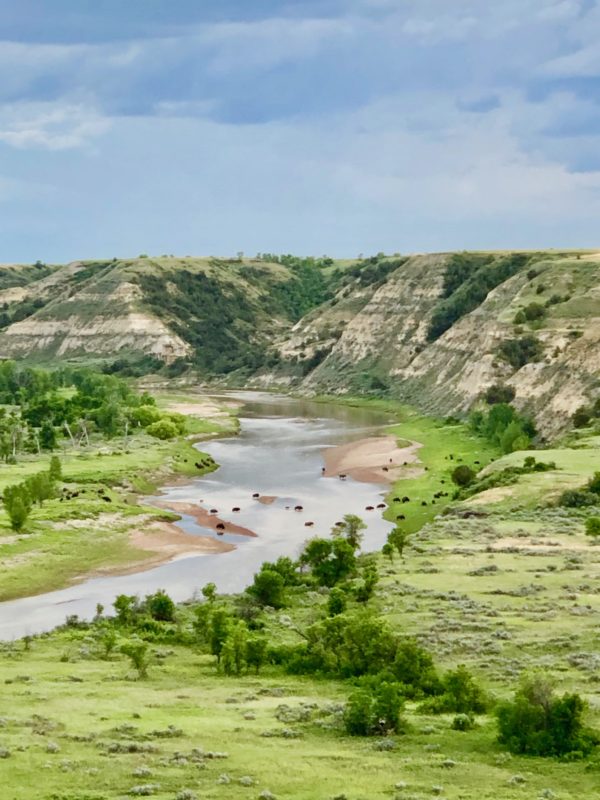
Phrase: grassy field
(68, 538)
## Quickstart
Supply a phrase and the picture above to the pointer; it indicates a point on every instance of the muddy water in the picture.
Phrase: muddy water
(279, 452)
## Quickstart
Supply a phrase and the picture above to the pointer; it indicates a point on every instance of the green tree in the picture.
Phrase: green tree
(336, 602)
(330, 560)
(351, 530)
(366, 589)
(160, 606)
(55, 469)
(219, 625)
(374, 710)
(536, 722)
(126, 606)
(235, 650)
(209, 592)
(17, 502)
(256, 652)
(47, 436)
(268, 588)
(398, 539)
(137, 652)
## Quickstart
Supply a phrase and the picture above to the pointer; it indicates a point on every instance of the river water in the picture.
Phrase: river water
(278, 452)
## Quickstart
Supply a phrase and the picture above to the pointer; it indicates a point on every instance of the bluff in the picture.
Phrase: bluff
(434, 330)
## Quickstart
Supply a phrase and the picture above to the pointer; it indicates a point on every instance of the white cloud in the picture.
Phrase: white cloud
(50, 126)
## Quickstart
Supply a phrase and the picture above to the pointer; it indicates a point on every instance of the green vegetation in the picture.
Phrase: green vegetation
(108, 456)
(468, 280)
(504, 427)
(519, 352)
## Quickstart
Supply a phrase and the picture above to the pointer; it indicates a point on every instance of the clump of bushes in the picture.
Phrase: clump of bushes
(521, 351)
(538, 723)
(589, 495)
(506, 476)
(375, 710)
(504, 427)
(499, 393)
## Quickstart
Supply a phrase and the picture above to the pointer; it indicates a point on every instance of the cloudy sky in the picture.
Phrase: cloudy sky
(305, 126)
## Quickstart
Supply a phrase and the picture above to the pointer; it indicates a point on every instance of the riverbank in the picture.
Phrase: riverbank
(378, 459)
(71, 538)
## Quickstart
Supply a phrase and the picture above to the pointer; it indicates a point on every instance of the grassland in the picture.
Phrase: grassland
(70, 537)
(514, 589)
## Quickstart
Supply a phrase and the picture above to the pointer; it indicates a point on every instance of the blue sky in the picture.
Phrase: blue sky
(309, 126)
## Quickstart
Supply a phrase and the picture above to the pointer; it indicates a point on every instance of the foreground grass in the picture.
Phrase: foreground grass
(80, 727)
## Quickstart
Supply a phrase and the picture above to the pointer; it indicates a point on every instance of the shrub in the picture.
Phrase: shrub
(55, 469)
(160, 606)
(163, 429)
(538, 723)
(573, 498)
(519, 352)
(581, 417)
(462, 722)
(374, 712)
(137, 652)
(499, 393)
(534, 311)
(336, 602)
(460, 694)
(463, 475)
(592, 526)
(330, 560)
(268, 588)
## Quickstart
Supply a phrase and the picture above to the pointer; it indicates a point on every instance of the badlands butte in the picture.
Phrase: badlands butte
(432, 330)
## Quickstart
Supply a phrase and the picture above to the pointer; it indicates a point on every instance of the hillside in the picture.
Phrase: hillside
(433, 330)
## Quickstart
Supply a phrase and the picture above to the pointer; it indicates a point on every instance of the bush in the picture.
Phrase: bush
(161, 607)
(137, 652)
(336, 602)
(330, 560)
(499, 393)
(268, 588)
(463, 475)
(592, 526)
(582, 417)
(462, 722)
(163, 429)
(374, 712)
(534, 311)
(573, 498)
(538, 723)
(519, 352)
(460, 694)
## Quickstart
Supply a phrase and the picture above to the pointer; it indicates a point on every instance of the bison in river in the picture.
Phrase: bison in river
(380, 505)
(236, 508)
(309, 524)
(298, 508)
(220, 526)
(255, 495)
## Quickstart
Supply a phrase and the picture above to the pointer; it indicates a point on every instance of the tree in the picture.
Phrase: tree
(219, 625)
(126, 606)
(594, 483)
(463, 475)
(499, 393)
(160, 606)
(47, 436)
(351, 530)
(268, 588)
(592, 526)
(55, 469)
(336, 602)
(17, 502)
(40, 487)
(398, 539)
(536, 722)
(374, 711)
(460, 694)
(209, 592)
(330, 560)
(234, 652)
(365, 591)
(256, 652)
(137, 652)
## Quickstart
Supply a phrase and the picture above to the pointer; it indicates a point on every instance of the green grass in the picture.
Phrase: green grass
(52, 550)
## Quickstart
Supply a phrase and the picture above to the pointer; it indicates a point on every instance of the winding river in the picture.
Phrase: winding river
(278, 452)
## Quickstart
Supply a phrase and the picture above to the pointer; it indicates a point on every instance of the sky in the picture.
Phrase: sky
(337, 127)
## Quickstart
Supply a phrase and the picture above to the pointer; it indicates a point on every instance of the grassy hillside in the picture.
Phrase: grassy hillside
(431, 330)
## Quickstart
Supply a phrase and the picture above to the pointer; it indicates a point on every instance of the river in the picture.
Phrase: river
(278, 452)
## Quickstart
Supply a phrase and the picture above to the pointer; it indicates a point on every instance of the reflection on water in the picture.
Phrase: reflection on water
(279, 453)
